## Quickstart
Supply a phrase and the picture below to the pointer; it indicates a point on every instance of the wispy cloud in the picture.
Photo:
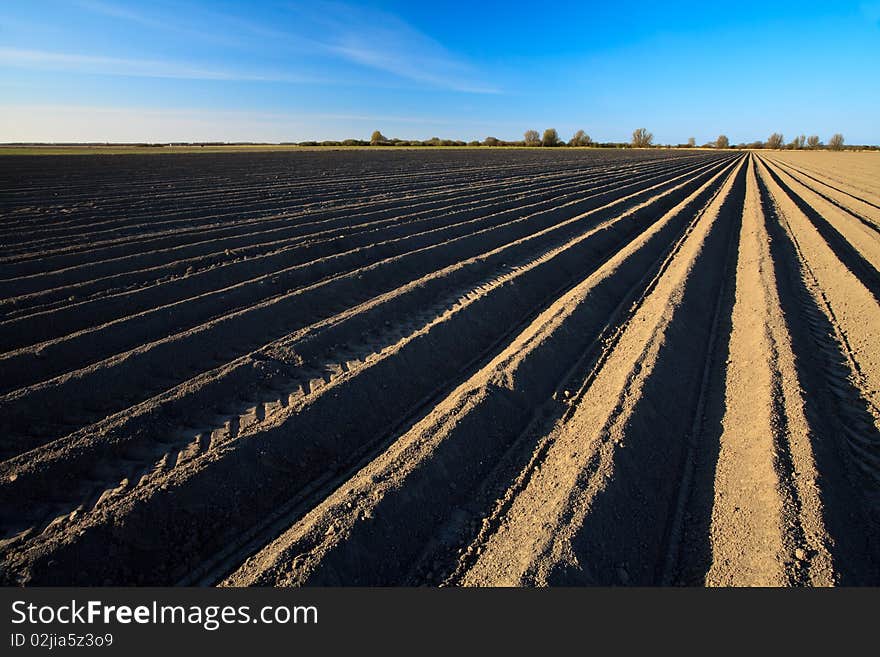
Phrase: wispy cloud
(117, 11)
(383, 41)
(325, 35)
(94, 64)
(443, 74)
(364, 37)
(160, 23)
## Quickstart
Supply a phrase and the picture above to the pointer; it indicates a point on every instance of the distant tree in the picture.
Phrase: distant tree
(691, 142)
(377, 138)
(775, 140)
(642, 138)
(580, 138)
(756, 144)
(550, 138)
(722, 142)
(836, 142)
(797, 143)
(531, 138)
(813, 142)
(491, 141)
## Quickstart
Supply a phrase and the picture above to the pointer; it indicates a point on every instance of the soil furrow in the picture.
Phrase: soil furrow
(274, 270)
(765, 524)
(427, 479)
(363, 383)
(597, 505)
(852, 307)
(220, 249)
(864, 211)
(441, 367)
(195, 351)
(417, 196)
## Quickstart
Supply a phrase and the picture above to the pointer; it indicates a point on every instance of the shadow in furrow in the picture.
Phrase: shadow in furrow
(867, 223)
(829, 185)
(854, 261)
(690, 559)
(834, 411)
(422, 522)
(625, 535)
(162, 536)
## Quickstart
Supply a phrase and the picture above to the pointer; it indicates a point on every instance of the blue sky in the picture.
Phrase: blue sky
(186, 70)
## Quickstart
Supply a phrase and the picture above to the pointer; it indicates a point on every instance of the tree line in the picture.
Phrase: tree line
(641, 138)
(777, 141)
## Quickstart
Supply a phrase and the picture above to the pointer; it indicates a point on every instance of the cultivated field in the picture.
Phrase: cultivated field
(462, 367)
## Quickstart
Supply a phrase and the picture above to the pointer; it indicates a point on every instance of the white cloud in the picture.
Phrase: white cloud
(361, 36)
(96, 64)
(383, 41)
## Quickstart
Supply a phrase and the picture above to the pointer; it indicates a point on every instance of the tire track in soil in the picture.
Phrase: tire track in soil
(199, 265)
(764, 523)
(61, 354)
(850, 305)
(596, 507)
(194, 351)
(841, 419)
(677, 386)
(343, 378)
(274, 269)
(355, 536)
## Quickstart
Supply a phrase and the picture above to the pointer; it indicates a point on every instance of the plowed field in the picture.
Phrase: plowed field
(444, 367)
